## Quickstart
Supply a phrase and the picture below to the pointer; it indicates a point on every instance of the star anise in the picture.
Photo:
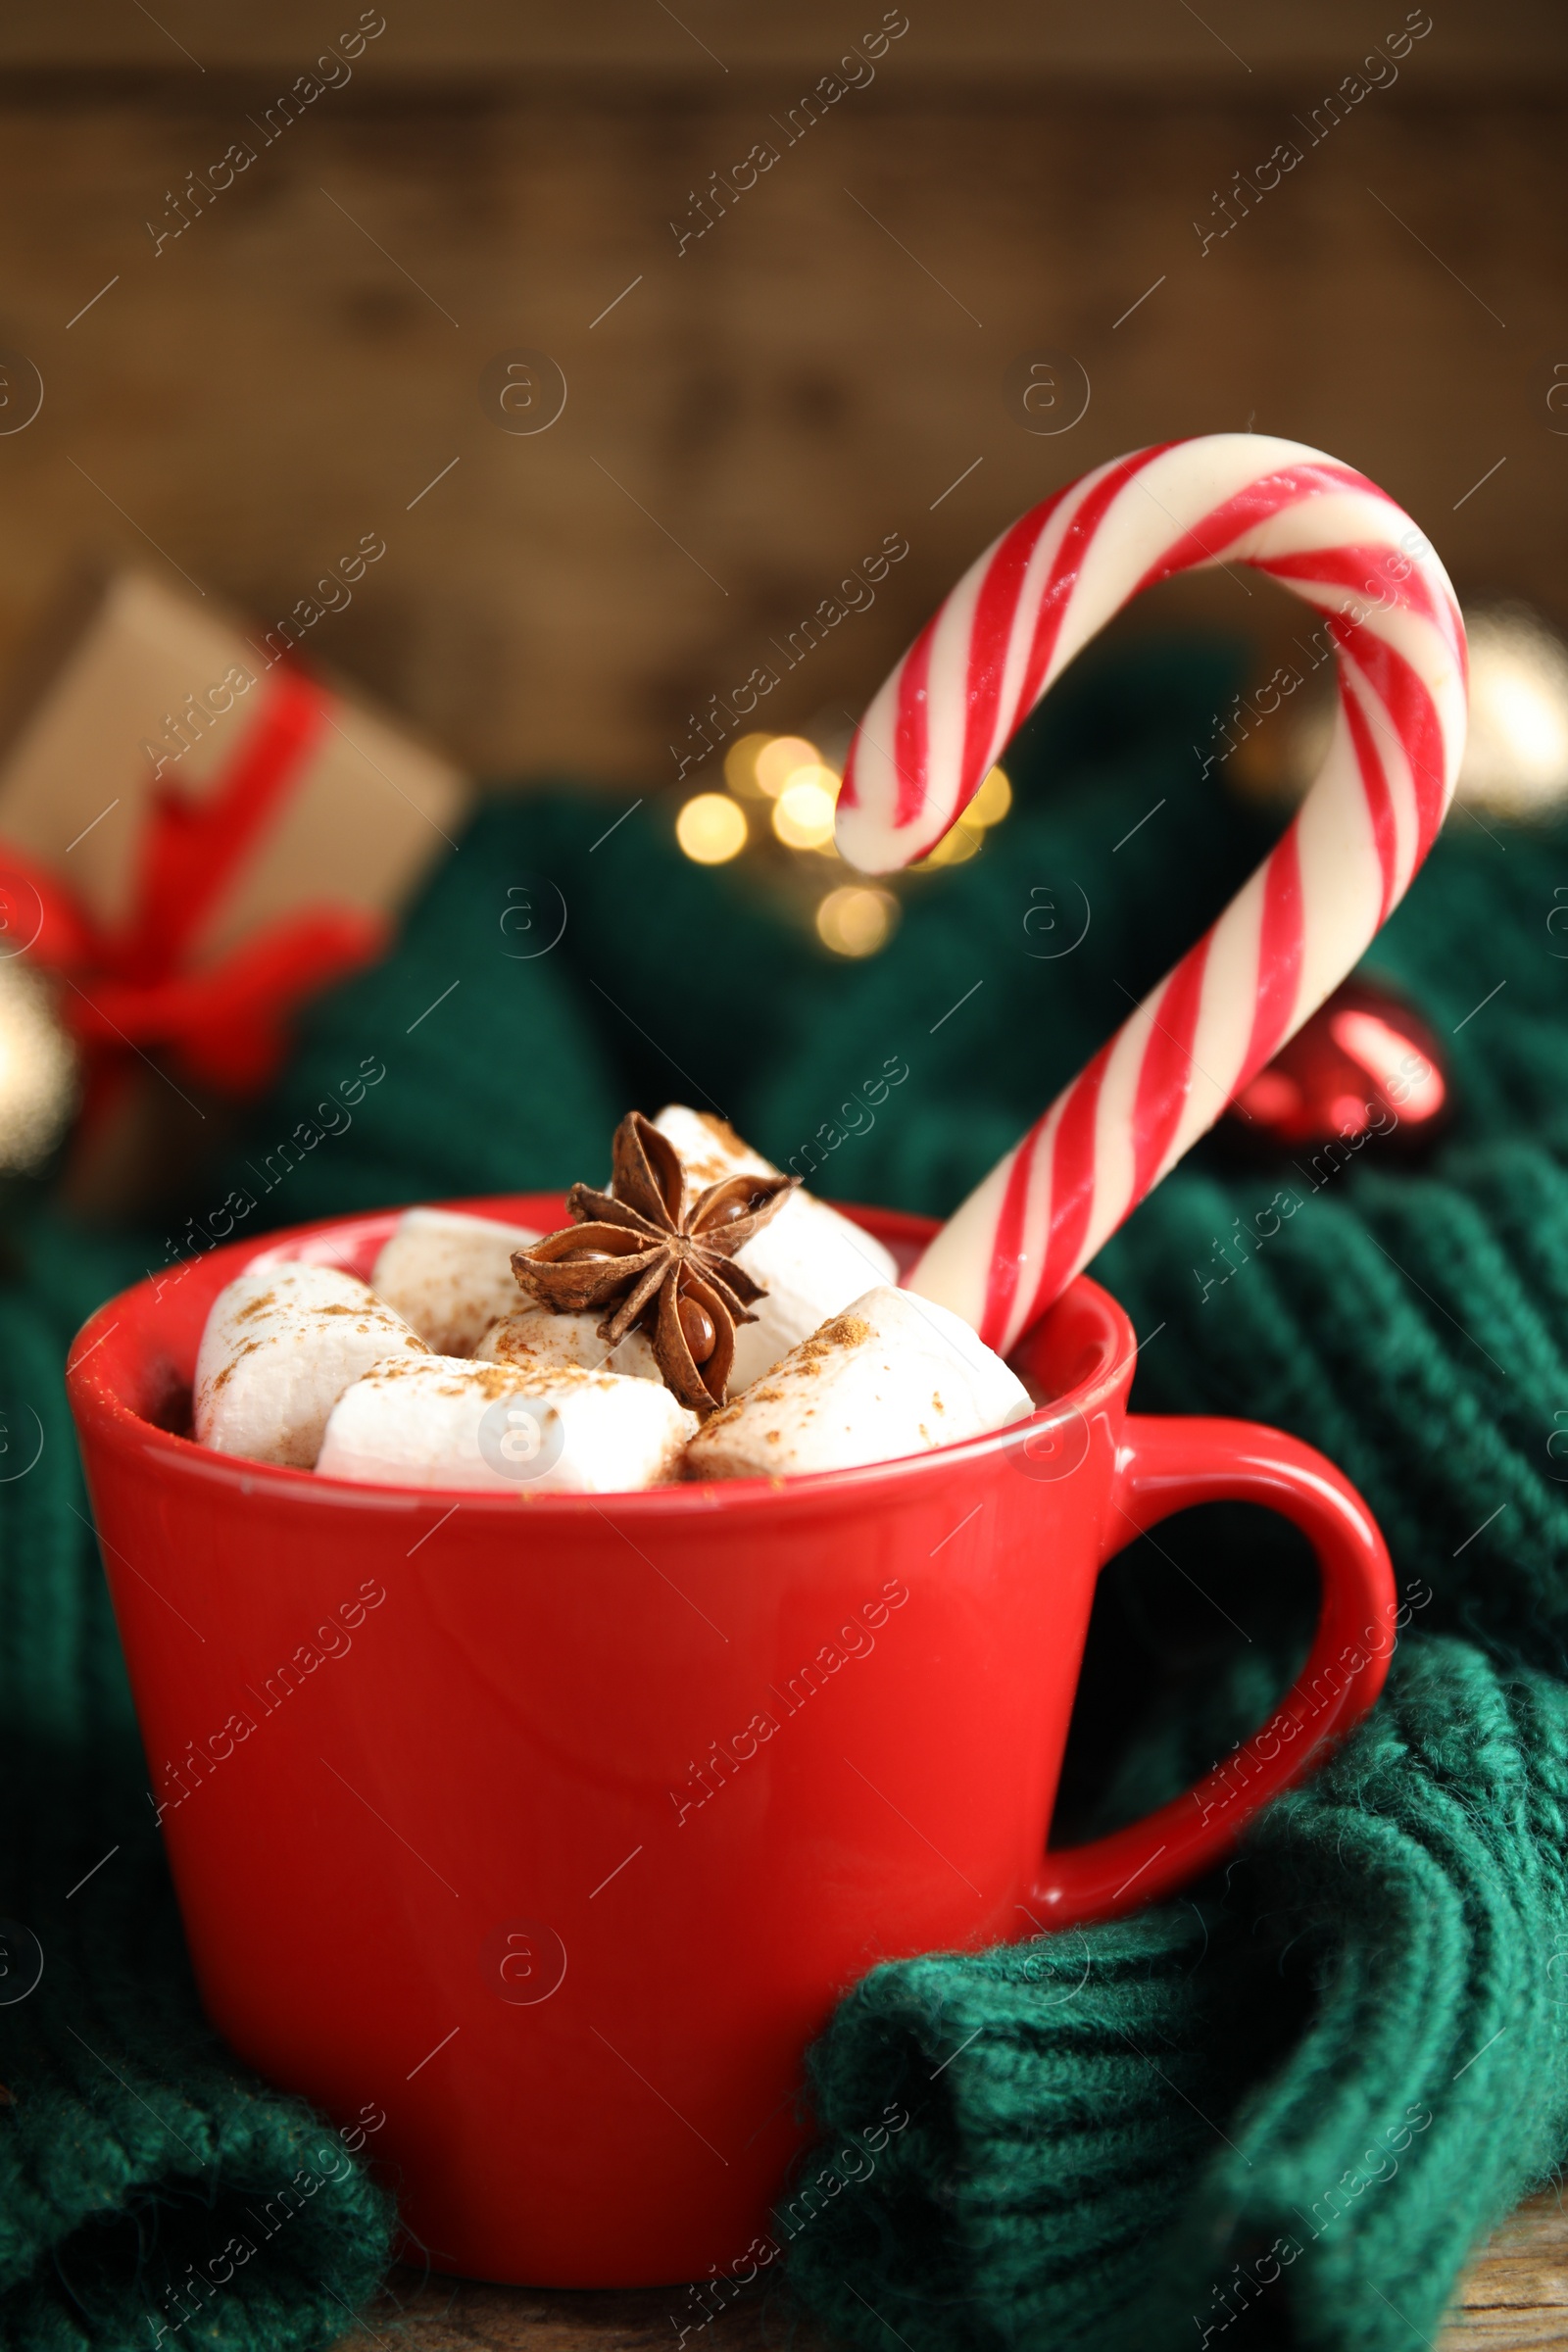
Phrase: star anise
(657, 1259)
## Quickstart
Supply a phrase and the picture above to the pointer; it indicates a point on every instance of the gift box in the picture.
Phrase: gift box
(197, 833)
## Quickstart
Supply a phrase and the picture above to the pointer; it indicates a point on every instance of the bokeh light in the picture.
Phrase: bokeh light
(740, 764)
(962, 841)
(711, 828)
(779, 761)
(1516, 757)
(993, 800)
(804, 813)
(856, 921)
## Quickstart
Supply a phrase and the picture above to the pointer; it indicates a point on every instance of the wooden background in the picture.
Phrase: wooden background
(1514, 2298)
(758, 412)
(240, 405)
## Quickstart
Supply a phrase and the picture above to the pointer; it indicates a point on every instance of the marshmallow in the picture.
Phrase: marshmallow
(535, 1339)
(449, 1276)
(448, 1421)
(281, 1344)
(891, 1374)
(811, 1261)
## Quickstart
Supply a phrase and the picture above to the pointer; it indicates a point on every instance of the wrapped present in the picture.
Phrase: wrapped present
(196, 834)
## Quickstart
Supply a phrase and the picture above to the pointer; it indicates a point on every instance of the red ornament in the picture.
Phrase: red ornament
(1366, 1065)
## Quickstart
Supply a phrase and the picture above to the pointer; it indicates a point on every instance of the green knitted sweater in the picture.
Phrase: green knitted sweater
(1287, 2105)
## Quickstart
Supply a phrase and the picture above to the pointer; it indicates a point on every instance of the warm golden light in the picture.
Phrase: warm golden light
(993, 800)
(740, 764)
(711, 828)
(855, 921)
(821, 776)
(802, 815)
(1516, 757)
(961, 842)
(779, 761)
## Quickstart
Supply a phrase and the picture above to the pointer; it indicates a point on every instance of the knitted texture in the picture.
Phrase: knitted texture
(1412, 1325)
(150, 2190)
(1126, 2118)
(1109, 2144)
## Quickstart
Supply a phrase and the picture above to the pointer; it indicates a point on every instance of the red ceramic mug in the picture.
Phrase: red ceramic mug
(555, 1825)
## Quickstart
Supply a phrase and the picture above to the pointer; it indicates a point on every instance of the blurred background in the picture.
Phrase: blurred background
(542, 376)
(536, 374)
(319, 348)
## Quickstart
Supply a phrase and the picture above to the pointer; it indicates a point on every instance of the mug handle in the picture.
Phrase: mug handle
(1168, 1464)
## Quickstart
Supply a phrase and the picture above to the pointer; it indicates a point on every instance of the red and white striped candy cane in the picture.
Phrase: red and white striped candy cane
(980, 665)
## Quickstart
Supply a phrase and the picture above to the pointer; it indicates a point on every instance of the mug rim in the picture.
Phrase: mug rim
(94, 1397)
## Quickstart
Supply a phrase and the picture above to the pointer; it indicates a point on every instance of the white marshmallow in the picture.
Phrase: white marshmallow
(535, 1339)
(281, 1344)
(811, 1261)
(449, 1276)
(891, 1374)
(448, 1421)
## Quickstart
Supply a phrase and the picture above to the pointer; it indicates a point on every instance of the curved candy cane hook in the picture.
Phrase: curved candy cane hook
(1294, 930)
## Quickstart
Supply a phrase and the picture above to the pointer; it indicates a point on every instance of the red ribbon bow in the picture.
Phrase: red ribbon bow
(127, 989)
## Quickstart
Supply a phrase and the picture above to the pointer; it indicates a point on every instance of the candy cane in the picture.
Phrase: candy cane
(1291, 934)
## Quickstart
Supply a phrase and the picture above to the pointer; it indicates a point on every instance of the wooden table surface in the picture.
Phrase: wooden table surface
(1515, 2293)
(1514, 2298)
